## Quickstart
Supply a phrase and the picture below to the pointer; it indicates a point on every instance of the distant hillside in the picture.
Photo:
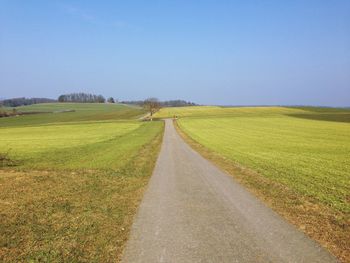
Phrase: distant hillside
(15, 102)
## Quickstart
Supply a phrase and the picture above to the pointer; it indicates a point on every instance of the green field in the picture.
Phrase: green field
(78, 171)
(69, 112)
(299, 154)
(311, 157)
(317, 113)
(76, 183)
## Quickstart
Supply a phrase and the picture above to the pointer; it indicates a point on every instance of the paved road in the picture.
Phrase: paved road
(193, 212)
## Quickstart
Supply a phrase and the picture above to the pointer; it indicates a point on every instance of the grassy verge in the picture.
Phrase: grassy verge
(72, 216)
(328, 224)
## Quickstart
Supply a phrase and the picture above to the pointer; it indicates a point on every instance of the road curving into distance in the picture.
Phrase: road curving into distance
(194, 212)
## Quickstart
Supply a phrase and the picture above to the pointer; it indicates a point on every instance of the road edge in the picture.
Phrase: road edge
(300, 211)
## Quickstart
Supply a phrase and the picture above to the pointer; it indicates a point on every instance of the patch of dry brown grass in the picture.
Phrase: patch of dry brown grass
(79, 216)
(329, 227)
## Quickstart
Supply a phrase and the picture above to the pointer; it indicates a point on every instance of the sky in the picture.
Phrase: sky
(209, 51)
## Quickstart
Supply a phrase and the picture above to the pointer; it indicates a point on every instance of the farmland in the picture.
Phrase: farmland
(78, 171)
(77, 177)
(69, 112)
(295, 159)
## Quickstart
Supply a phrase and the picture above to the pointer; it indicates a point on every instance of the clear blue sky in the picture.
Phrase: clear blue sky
(211, 52)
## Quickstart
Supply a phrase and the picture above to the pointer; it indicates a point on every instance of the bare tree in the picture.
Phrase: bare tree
(152, 105)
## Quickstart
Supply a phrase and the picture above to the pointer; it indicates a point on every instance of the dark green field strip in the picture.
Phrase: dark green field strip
(338, 117)
(81, 112)
(44, 118)
(323, 109)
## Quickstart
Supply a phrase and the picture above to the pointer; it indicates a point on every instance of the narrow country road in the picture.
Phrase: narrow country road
(193, 212)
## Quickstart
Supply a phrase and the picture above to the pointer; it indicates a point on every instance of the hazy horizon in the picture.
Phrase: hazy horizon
(121, 100)
(213, 53)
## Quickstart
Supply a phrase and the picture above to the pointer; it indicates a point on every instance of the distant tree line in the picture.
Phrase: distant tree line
(15, 102)
(82, 98)
(177, 103)
(167, 103)
(133, 102)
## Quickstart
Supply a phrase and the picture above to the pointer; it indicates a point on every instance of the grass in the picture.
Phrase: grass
(324, 114)
(6, 161)
(77, 184)
(70, 112)
(311, 157)
(215, 111)
(299, 166)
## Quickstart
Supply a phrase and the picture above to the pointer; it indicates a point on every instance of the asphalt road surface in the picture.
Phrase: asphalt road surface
(194, 212)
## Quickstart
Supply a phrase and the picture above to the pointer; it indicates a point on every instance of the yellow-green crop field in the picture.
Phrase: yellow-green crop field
(311, 157)
(77, 176)
(298, 158)
(215, 111)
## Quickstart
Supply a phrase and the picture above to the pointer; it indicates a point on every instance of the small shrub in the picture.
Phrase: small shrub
(5, 160)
